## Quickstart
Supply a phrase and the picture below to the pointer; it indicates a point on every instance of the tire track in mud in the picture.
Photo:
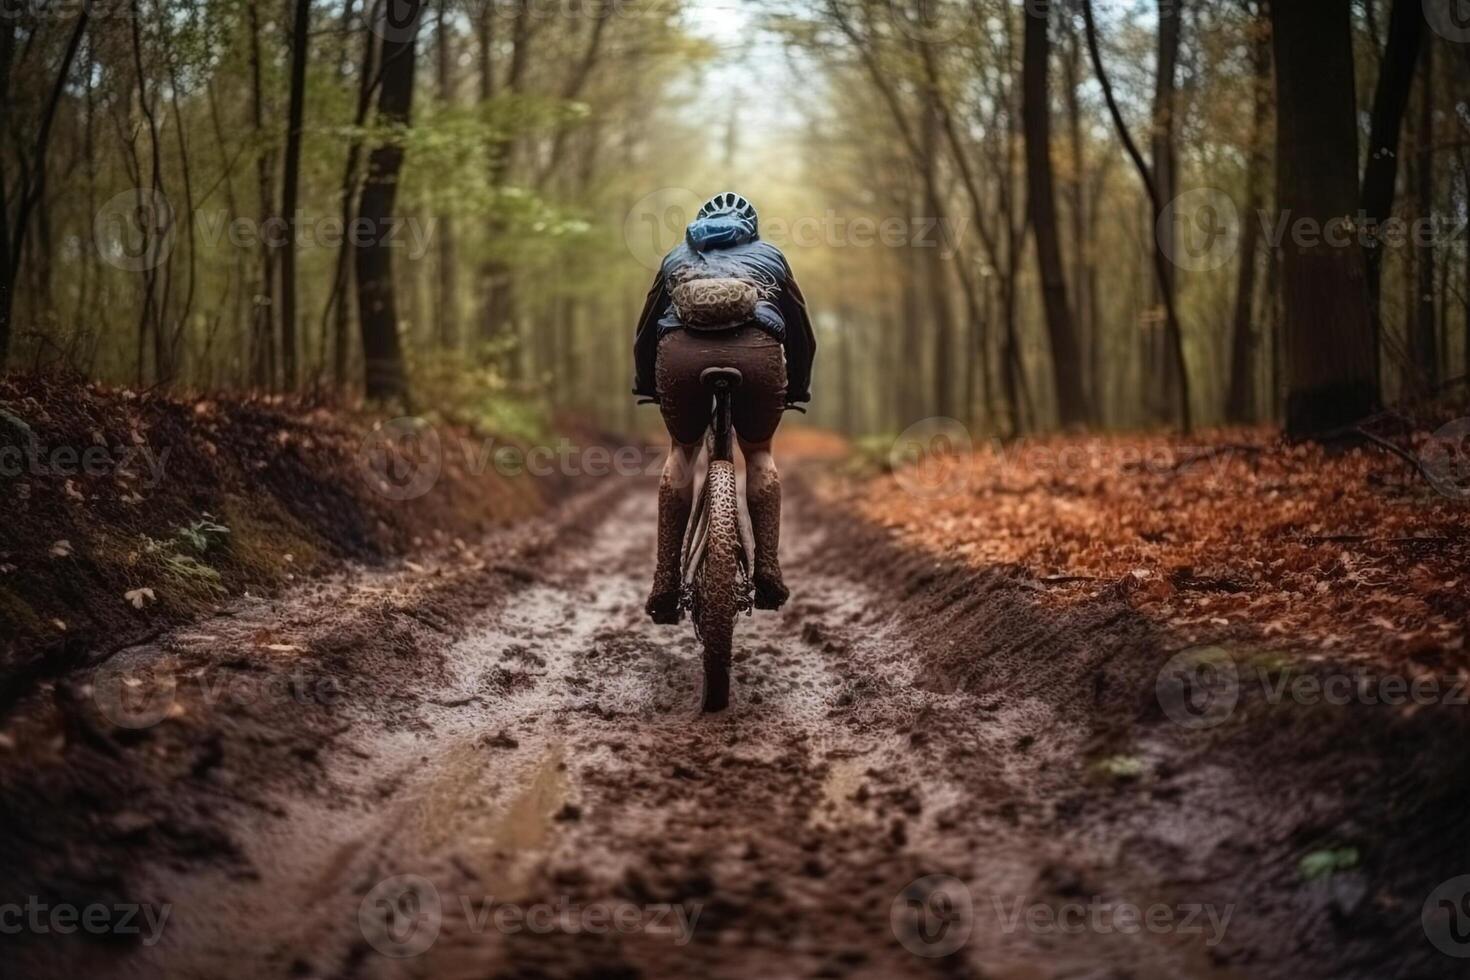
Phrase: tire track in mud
(563, 773)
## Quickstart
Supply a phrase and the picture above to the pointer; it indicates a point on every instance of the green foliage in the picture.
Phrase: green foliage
(187, 571)
(1120, 767)
(176, 555)
(871, 455)
(202, 533)
(1318, 864)
(477, 394)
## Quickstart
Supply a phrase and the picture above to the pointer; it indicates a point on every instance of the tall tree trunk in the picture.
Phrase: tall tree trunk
(13, 235)
(7, 278)
(1165, 166)
(152, 316)
(936, 277)
(175, 87)
(89, 158)
(1082, 271)
(1390, 100)
(1465, 279)
(1041, 203)
(1018, 227)
(1423, 342)
(1240, 406)
(295, 113)
(1331, 381)
(382, 350)
(338, 306)
(1163, 268)
(914, 404)
(263, 335)
(1274, 301)
(1095, 346)
(848, 367)
(447, 312)
(496, 283)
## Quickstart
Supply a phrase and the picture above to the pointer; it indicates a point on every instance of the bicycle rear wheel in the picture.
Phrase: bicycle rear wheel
(717, 583)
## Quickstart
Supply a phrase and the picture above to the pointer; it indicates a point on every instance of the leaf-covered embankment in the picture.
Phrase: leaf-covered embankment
(126, 511)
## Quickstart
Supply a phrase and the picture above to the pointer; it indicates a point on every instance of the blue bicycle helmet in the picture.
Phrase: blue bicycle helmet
(723, 221)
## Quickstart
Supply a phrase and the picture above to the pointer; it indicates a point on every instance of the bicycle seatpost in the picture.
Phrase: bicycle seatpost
(721, 381)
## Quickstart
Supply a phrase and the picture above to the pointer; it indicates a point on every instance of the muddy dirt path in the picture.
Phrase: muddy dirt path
(553, 804)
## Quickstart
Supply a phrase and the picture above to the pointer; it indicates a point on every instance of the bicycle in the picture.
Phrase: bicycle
(715, 571)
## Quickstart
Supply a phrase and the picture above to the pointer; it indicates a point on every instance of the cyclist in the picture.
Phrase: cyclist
(765, 333)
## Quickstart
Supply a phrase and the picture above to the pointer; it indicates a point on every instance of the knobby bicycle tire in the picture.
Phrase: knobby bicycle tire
(717, 582)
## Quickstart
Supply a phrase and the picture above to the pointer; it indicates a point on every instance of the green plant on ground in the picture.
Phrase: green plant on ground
(1120, 767)
(1318, 864)
(201, 534)
(172, 556)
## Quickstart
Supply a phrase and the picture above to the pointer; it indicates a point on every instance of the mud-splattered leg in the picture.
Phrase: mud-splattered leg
(763, 500)
(675, 500)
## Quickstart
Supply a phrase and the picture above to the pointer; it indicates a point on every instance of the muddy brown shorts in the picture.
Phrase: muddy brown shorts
(686, 405)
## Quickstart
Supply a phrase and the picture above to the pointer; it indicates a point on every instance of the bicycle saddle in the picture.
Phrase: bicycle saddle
(716, 377)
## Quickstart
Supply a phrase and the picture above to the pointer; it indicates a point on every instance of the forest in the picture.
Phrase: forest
(734, 488)
(1091, 218)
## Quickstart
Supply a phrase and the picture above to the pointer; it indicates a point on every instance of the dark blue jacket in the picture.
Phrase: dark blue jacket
(723, 253)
